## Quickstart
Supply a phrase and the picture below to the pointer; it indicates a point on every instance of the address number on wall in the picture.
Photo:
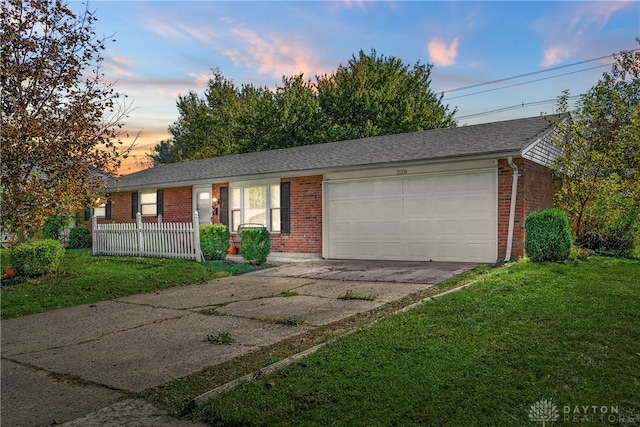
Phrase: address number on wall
(401, 172)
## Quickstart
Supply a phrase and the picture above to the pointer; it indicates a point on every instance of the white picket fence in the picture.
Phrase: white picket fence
(169, 240)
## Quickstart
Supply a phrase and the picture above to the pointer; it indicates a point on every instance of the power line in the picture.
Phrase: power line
(532, 73)
(513, 107)
(529, 81)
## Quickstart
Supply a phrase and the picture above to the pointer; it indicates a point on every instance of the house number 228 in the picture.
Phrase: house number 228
(401, 171)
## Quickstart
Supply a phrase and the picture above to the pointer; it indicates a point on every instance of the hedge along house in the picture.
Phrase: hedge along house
(458, 194)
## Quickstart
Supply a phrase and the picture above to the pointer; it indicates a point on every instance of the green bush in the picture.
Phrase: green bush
(79, 238)
(547, 236)
(214, 241)
(613, 232)
(255, 245)
(37, 257)
(54, 226)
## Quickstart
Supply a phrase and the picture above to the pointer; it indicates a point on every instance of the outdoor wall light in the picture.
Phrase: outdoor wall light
(214, 205)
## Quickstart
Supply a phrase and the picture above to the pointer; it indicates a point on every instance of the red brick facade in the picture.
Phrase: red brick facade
(177, 206)
(535, 191)
(306, 218)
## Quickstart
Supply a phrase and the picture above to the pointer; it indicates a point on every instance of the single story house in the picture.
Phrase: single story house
(458, 194)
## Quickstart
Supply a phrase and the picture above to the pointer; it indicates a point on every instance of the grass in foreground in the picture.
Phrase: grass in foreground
(482, 356)
(84, 278)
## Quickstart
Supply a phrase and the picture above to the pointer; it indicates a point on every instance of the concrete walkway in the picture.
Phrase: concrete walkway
(78, 365)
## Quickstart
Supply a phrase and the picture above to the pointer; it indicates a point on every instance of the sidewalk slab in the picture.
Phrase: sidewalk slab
(312, 310)
(379, 292)
(153, 354)
(32, 397)
(216, 292)
(74, 325)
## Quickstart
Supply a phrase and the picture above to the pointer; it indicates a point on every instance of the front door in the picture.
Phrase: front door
(202, 204)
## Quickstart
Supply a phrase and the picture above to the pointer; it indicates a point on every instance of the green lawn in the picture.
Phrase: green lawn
(84, 278)
(569, 333)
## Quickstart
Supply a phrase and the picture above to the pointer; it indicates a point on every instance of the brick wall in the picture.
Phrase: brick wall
(535, 191)
(306, 218)
(177, 206)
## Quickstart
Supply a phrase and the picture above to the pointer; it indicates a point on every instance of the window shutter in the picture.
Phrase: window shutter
(134, 204)
(224, 205)
(285, 215)
(160, 202)
(107, 209)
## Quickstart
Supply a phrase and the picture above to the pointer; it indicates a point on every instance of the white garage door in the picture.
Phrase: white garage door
(436, 217)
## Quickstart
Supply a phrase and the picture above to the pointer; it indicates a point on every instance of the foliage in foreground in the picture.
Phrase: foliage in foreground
(214, 241)
(482, 356)
(79, 238)
(37, 257)
(83, 278)
(59, 113)
(547, 236)
(599, 170)
(255, 245)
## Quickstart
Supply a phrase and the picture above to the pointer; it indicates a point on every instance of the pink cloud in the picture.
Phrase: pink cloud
(441, 54)
(270, 54)
(554, 55)
(573, 31)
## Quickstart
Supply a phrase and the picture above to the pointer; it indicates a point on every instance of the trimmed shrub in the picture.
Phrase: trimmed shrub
(214, 241)
(547, 236)
(255, 245)
(37, 257)
(79, 238)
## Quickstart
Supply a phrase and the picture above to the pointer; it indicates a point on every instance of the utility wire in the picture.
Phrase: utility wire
(532, 73)
(529, 81)
(513, 107)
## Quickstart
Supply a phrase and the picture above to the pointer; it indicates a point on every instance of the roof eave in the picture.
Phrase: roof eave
(320, 171)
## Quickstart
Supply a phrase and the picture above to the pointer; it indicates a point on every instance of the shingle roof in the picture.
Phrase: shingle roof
(498, 138)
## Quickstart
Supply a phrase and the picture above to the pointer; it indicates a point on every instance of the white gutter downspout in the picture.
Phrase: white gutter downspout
(512, 209)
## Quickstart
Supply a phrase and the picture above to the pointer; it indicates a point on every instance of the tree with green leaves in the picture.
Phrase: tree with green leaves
(378, 95)
(372, 95)
(61, 119)
(599, 170)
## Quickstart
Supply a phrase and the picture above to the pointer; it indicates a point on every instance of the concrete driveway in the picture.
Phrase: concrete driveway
(63, 365)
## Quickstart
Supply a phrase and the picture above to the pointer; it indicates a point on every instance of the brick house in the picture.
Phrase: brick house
(458, 194)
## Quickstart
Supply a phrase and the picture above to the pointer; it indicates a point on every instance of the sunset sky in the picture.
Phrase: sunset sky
(167, 48)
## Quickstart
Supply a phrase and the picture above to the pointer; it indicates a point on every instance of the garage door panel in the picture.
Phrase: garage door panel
(446, 206)
(476, 206)
(365, 189)
(476, 251)
(389, 188)
(391, 229)
(418, 186)
(419, 228)
(446, 184)
(436, 217)
(477, 182)
(391, 208)
(418, 208)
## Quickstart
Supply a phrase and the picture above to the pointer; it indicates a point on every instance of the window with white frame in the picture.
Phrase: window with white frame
(255, 203)
(100, 211)
(148, 202)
